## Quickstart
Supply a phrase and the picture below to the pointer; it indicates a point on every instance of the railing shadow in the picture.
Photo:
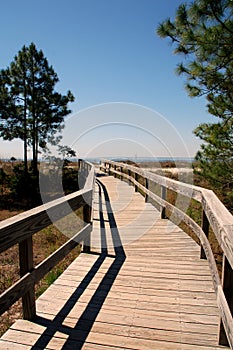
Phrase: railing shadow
(77, 334)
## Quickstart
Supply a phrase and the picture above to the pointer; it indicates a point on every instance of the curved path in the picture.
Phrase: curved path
(142, 287)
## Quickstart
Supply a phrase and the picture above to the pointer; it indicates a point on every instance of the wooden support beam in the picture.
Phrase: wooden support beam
(87, 210)
(26, 265)
(205, 228)
(136, 179)
(163, 196)
(147, 187)
(129, 173)
(121, 169)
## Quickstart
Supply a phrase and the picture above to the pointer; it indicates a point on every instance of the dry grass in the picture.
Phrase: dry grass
(44, 243)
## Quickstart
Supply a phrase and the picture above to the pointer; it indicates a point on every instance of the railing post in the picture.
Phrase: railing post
(81, 173)
(87, 219)
(205, 228)
(227, 284)
(26, 265)
(122, 177)
(136, 179)
(85, 170)
(129, 173)
(163, 196)
(147, 187)
(114, 171)
(109, 168)
(79, 164)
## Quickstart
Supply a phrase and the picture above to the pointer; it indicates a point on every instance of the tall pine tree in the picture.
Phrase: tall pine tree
(202, 32)
(30, 108)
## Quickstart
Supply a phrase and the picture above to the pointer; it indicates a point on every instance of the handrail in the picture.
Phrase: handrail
(20, 228)
(214, 214)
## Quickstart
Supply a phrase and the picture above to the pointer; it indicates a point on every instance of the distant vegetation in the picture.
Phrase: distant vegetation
(21, 192)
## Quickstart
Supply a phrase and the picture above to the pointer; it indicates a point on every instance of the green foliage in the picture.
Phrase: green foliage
(21, 190)
(202, 32)
(215, 159)
(30, 108)
(53, 275)
(48, 280)
(66, 151)
(70, 180)
(25, 187)
(4, 179)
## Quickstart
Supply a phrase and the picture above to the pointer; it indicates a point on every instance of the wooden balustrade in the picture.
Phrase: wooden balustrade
(214, 215)
(20, 228)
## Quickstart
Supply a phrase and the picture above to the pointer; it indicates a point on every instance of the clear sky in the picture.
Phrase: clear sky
(108, 54)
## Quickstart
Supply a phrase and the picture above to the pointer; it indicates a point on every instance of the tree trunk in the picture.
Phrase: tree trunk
(25, 129)
(34, 131)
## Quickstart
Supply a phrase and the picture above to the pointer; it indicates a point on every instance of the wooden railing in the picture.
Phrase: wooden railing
(214, 214)
(20, 229)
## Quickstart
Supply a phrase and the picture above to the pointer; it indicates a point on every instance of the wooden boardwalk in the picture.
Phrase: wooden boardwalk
(142, 287)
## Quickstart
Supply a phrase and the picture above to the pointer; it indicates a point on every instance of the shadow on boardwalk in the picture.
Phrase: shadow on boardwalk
(77, 335)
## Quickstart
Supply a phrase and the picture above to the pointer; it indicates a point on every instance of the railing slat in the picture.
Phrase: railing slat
(205, 228)
(26, 265)
(146, 187)
(87, 214)
(163, 196)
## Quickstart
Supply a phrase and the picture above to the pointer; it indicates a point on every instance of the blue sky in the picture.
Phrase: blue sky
(107, 52)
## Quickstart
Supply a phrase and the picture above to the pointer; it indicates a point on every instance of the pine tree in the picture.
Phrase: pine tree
(202, 32)
(34, 111)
